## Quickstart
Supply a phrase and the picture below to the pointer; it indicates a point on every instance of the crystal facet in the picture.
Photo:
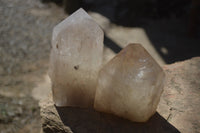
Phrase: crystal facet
(76, 57)
(130, 85)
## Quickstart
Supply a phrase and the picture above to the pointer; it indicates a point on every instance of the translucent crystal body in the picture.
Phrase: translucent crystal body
(130, 85)
(76, 57)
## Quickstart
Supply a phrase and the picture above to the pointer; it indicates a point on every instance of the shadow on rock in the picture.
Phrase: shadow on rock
(112, 45)
(89, 121)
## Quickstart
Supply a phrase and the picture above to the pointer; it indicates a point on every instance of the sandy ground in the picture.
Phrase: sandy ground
(25, 42)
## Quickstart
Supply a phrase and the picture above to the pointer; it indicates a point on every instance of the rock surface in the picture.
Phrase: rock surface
(179, 108)
(180, 102)
(130, 85)
(76, 57)
(79, 120)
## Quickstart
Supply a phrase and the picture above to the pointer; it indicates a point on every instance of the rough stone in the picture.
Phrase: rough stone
(180, 102)
(76, 57)
(179, 109)
(130, 85)
(81, 120)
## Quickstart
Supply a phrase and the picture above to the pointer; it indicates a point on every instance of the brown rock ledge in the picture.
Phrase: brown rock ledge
(178, 110)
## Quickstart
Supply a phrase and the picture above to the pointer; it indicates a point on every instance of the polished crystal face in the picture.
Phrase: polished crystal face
(76, 57)
(130, 85)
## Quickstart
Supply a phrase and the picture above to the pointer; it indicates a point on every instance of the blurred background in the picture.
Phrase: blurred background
(168, 29)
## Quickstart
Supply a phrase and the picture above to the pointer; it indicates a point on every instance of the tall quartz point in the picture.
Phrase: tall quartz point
(76, 57)
(130, 85)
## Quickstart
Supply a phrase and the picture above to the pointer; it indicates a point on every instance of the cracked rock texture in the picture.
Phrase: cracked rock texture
(178, 110)
(180, 102)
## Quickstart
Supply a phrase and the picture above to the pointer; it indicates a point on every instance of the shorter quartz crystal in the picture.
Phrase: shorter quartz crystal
(130, 85)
